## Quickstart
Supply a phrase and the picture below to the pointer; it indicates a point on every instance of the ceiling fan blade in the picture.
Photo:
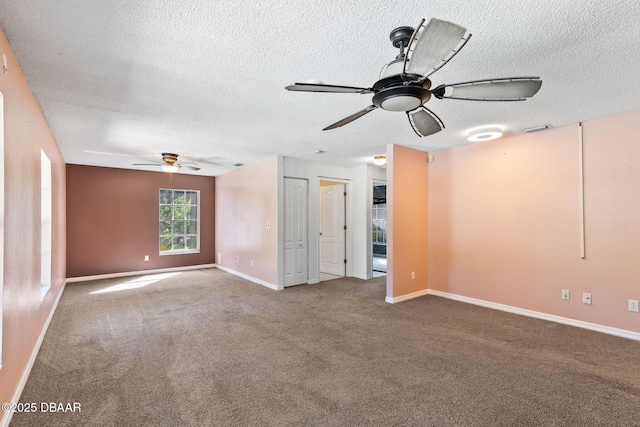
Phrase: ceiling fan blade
(424, 121)
(351, 118)
(147, 164)
(507, 89)
(312, 87)
(433, 45)
(193, 168)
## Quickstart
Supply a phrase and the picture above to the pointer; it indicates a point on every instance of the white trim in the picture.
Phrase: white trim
(538, 315)
(4, 422)
(137, 273)
(392, 300)
(179, 252)
(251, 279)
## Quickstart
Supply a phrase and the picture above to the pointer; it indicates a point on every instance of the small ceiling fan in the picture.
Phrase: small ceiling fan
(404, 83)
(170, 163)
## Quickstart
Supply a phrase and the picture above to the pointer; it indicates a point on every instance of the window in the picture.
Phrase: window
(179, 221)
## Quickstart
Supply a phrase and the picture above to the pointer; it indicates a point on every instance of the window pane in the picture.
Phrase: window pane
(191, 212)
(178, 243)
(165, 243)
(192, 242)
(166, 197)
(192, 198)
(192, 227)
(165, 212)
(178, 212)
(178, 197)
(178, 227)
(165, 228)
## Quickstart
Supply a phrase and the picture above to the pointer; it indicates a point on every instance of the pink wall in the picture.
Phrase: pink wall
(246, 201)
(112, 219)
(407, 214)
(504, 221)
(26, 133)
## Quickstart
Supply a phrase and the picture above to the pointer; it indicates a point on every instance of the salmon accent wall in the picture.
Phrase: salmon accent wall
(24, 313)
(246, 201)
(504, 221)
(113, 220)
(407, 221)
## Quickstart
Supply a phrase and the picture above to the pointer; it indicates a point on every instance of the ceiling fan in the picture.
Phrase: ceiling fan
(170, 163)
(404, 83)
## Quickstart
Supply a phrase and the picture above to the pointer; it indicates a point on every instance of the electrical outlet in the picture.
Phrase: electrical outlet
(633, 305)
(237, 259)
(146, 257)
(565, 294)
(251, 263)
(586, 298)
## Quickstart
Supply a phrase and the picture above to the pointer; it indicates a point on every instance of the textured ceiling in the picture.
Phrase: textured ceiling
(206, 79)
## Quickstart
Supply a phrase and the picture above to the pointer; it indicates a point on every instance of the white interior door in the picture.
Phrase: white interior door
(332, 229)
(295, 231)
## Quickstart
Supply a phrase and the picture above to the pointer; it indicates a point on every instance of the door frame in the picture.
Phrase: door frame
(340, 221)
(374, 182)
(348, 239)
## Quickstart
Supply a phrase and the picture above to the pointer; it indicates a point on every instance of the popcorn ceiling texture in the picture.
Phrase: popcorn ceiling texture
(206, 79)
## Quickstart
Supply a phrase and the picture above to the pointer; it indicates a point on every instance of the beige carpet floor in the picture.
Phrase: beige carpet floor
(206, 348)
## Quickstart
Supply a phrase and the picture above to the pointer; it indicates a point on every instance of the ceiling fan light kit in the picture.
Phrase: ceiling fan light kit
(170, 168)
(404, 83)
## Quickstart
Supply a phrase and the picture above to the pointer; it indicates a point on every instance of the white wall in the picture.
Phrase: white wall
(358, 181)
(362, 201)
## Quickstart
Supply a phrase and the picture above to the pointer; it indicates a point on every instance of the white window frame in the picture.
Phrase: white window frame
(173, 220)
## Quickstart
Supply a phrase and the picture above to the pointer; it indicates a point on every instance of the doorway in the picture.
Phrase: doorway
(332, 230)
(379, 229)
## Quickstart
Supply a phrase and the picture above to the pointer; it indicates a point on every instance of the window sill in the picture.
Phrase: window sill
(193, 251)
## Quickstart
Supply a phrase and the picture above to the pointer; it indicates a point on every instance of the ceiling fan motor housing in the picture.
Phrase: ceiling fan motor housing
(169, 158)
(394, 93)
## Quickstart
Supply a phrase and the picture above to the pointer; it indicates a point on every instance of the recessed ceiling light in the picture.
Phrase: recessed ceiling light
(486, 133)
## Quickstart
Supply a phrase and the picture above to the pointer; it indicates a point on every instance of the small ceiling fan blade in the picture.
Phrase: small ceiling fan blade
(351, 118)
(424, 121)
(433, 45)
(193, 168)
(313, 87)
(147, 164)
(507, 89)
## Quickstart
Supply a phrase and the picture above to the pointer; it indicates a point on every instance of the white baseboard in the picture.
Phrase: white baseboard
(138, 273)
(4, 422)
(392, 300)
(539, 315)
(251, 279)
